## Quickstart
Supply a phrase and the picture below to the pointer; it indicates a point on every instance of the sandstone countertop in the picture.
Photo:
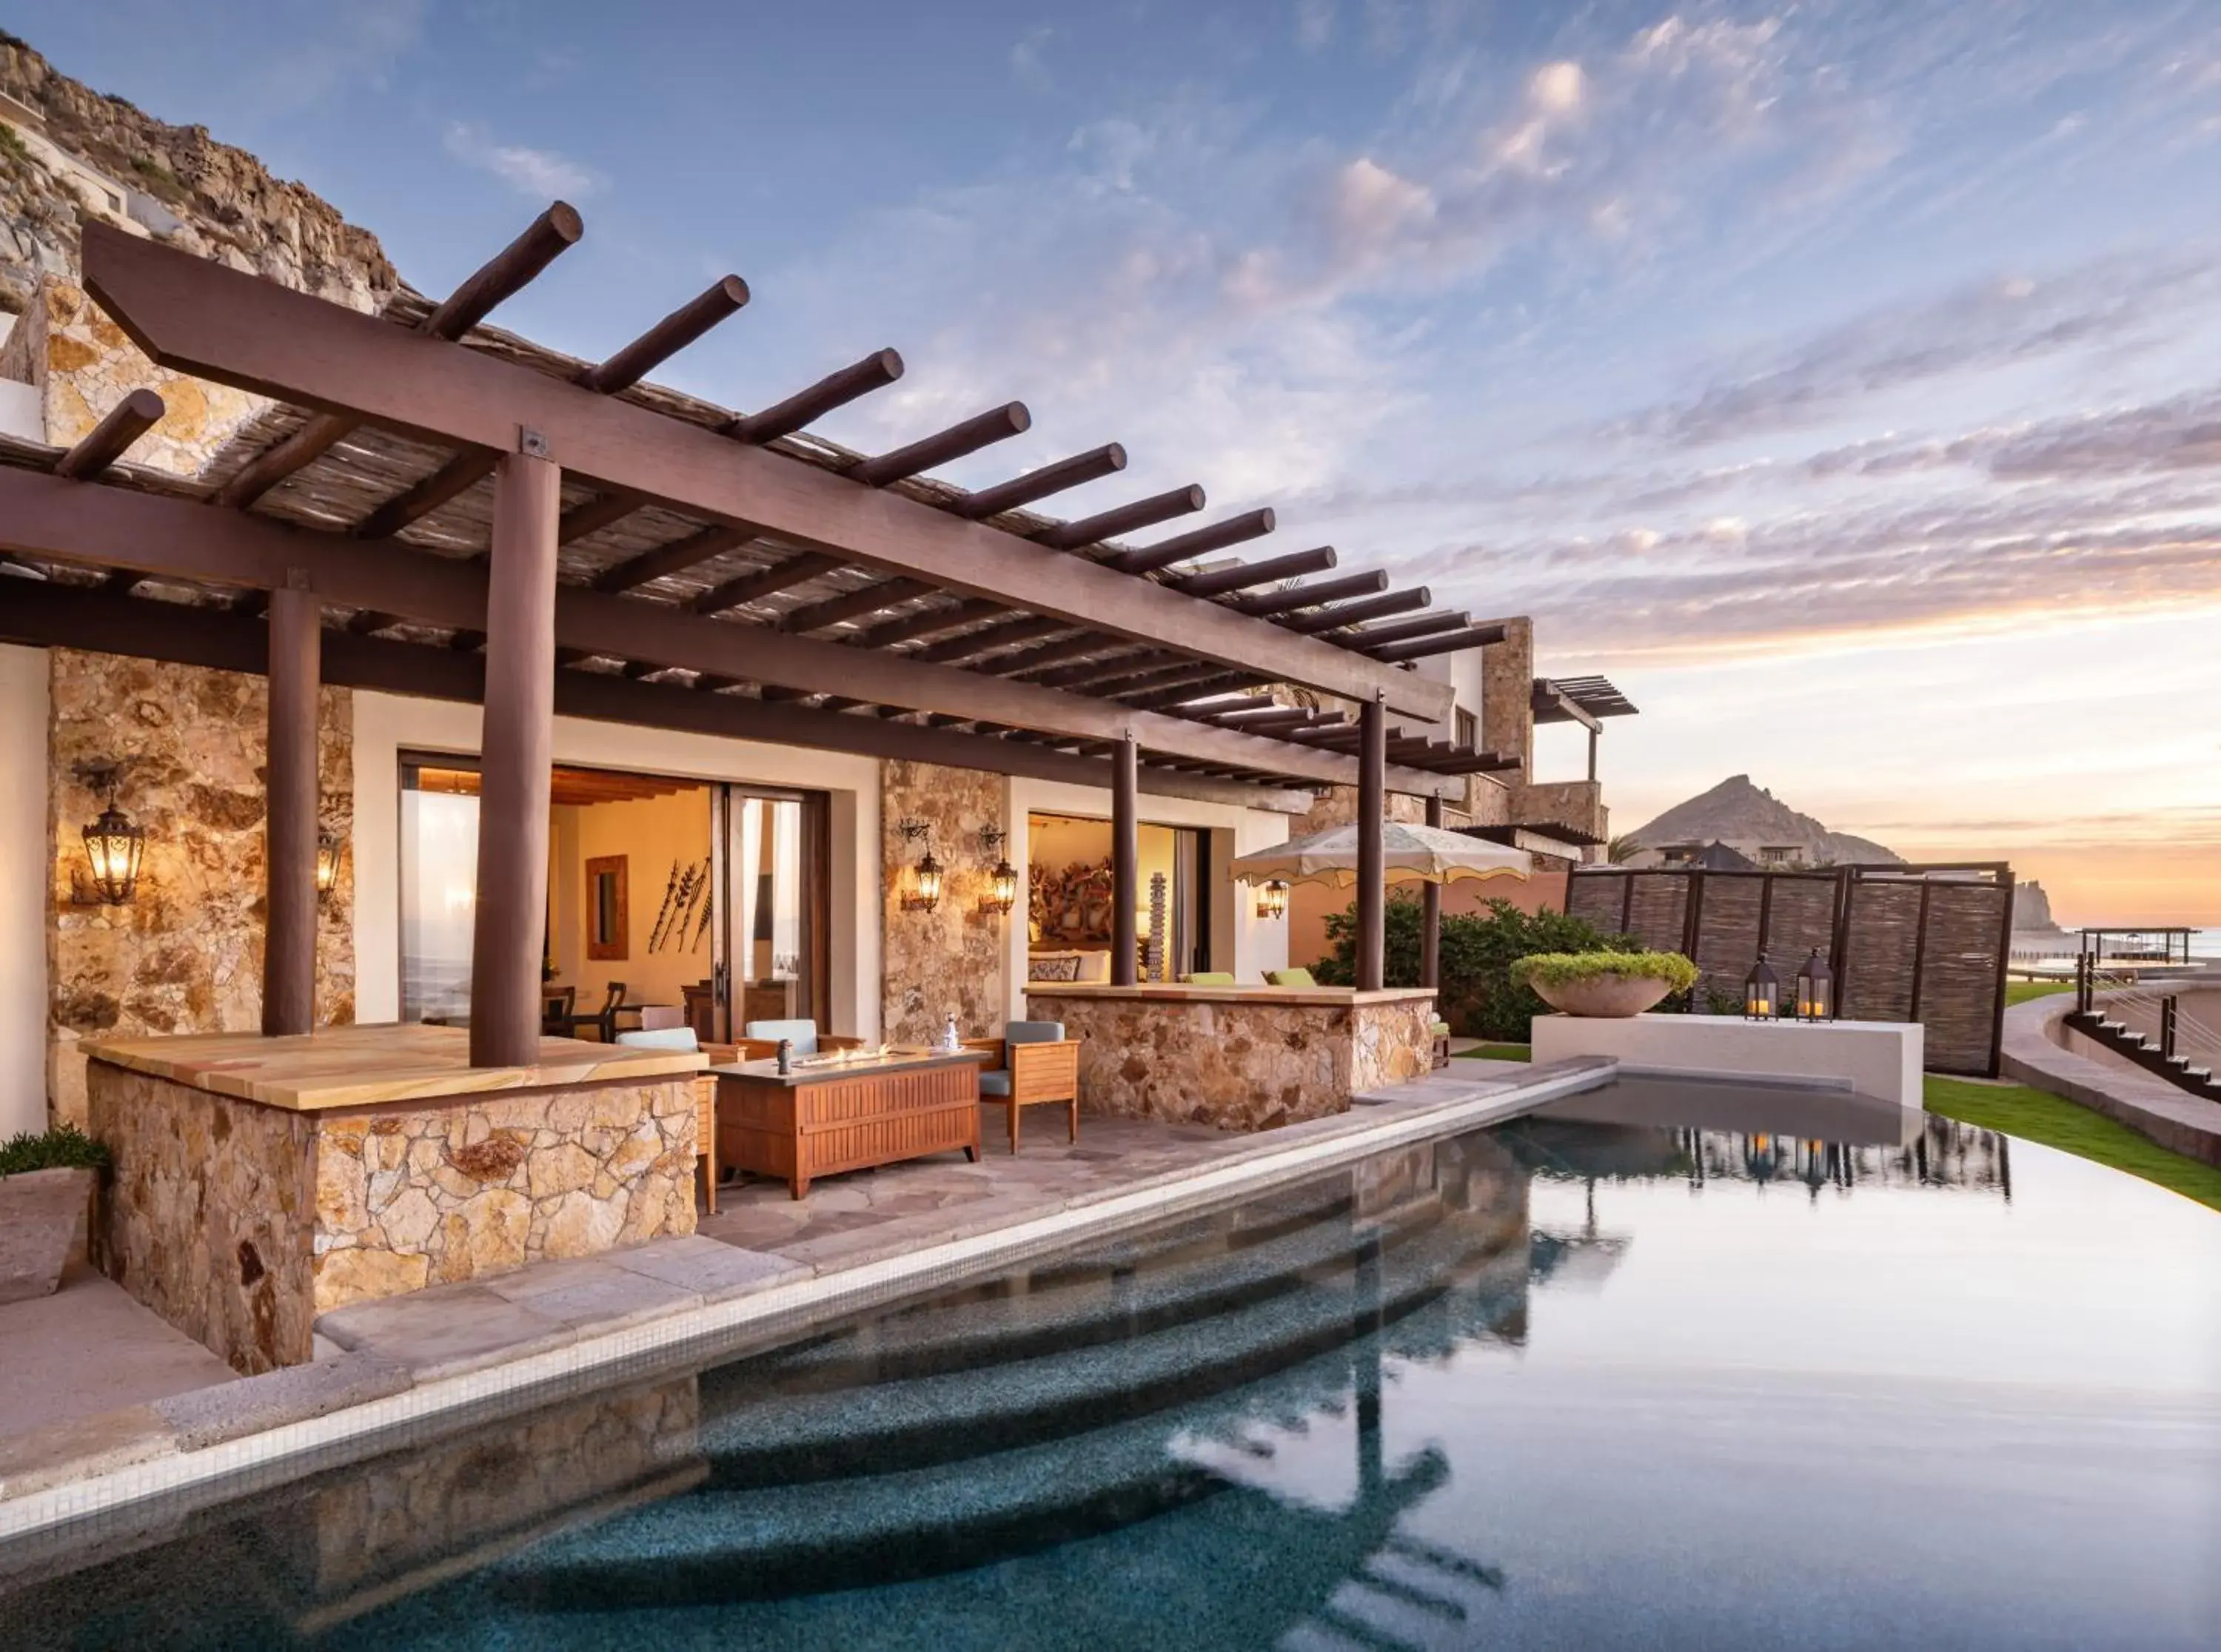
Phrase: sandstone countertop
(371, 1066)
(1325, 998)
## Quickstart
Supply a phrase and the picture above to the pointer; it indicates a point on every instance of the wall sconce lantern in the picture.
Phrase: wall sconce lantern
(113, 846)
(1272, 899)
(1816, 989)
(1002, 882)
(328, 863)
(927, 894)
(1761, 991)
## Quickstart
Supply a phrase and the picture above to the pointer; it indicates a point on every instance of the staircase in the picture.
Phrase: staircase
(1137, 1394)
(2185, 1053)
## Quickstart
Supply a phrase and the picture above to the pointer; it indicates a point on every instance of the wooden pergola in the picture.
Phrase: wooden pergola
(437, 507)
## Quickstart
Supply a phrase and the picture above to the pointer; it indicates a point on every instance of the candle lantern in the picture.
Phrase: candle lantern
(1272, 899)
(1761, 991)
(928, 893)
(1002, 882)
(113, 846)
(328, 863)
(1816, 989)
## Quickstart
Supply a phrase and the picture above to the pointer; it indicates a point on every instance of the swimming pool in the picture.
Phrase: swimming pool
(1665, 1363)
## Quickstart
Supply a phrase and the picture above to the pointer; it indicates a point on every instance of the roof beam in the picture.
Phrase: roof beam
(1265, 603)
(1350, 613)
(853, 605)
(193, 315)
(1448, 642)
(805, 407)
(981, 430)
(764, 582)
(1090, 466)
(1426, 624)
(121, 426)
(1185, 547)
(1247, 576)
(508, 272)
(63, 616)
(1124, 519)
(672, 559)
(168, 538)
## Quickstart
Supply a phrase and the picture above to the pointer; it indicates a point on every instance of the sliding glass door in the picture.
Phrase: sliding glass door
(772, 964)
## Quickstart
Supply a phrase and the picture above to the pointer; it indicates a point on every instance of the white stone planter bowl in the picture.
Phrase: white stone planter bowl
(1607, 996)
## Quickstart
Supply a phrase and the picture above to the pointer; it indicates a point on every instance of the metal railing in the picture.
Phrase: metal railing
(2179, 1034)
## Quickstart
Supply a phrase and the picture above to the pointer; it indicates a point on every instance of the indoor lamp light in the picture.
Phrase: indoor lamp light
(1761, 991)
(113, 846)
(1816, 989)
(1272, 899)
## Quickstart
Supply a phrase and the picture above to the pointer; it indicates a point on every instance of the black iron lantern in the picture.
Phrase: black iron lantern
(1761, 991)
(1272, 899)
(1002, 882)
(928, 881)
(328, 863)
(1816, 989)
(113, 847)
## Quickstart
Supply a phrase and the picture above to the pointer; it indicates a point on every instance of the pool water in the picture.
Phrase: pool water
(1663, 1364)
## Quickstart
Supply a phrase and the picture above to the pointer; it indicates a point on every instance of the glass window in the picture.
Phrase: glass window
(439, 883)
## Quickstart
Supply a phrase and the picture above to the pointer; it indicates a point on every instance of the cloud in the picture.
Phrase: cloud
(1314, 24)
(2182, 433)
(1029, 64)
(2123, 304)
(538, 173)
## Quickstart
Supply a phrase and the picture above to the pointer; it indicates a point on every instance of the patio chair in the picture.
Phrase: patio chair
(759, 1040)
(1290, 978)
(1039, 1065)
(557, 1005)
(705, 1098)
(662, 1017)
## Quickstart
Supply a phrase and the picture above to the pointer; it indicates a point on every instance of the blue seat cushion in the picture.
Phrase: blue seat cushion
(1034, 1032)
(663, 1038)
(995, 1083)
(803, 1035)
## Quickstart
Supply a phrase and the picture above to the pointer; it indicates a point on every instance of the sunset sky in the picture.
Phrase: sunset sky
(1844, 380)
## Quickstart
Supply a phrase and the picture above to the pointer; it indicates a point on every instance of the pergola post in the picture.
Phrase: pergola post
(1371, 810)
(1430, 917)
(1125, 862)
(289, 942)
(517, 752)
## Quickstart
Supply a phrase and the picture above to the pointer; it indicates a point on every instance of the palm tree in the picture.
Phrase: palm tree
(1621, 850)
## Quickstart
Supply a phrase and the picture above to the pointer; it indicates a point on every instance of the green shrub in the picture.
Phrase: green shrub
(1479, 999)
(1563, 969)
(63, 1147)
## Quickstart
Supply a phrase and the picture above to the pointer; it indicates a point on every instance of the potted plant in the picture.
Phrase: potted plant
(1604, 983)
(45, 1195)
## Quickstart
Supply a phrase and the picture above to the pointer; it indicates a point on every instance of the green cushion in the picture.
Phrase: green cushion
(1209, 978)
(1441, 1029)
(1290, 978)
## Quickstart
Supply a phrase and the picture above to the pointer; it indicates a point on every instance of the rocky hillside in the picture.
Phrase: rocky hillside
(1745, 816)
(225, 203)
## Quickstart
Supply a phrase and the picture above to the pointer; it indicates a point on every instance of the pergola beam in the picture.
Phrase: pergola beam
(90, 523)
(805, 407)
(101, 447)
(982, 430)
(1247, 576)
(1185, 547)
(1091, 466)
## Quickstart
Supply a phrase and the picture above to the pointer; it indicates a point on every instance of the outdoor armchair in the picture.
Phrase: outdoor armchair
(705, 1096)
(1290, 978)
(1039, 1066)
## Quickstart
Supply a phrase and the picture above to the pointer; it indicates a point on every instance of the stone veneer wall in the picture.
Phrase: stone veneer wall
(83, 364)
(1237, 1066)
(951, 958)
(185, 956)
(240, 1223)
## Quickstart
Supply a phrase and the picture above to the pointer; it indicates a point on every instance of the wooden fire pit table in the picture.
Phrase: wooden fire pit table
(848, 1114)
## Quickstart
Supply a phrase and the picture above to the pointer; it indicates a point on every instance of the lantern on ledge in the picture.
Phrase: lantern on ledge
(1272, 899)
(113, 847)
(1816, 989)
(1761, 991)
(328, 863)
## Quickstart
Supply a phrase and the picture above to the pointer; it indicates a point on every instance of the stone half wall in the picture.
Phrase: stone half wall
(951, 958)
(1238, 1066)
(240, 1223)
(185, 955)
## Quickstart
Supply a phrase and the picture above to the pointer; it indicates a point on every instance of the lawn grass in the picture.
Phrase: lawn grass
(1501, 1052)
(2019, 992)
(2054, 1121)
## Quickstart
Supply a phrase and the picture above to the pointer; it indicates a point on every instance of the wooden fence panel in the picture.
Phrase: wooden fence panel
(1727, 932)
(1658, 910)
(1960, 970)
(1881, 949)
(1800, 921)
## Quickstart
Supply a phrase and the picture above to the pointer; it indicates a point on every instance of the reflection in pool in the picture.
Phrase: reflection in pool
(1664, 1364)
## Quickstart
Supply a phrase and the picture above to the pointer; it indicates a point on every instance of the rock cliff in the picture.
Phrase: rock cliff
(1746, 817)
(194, 192)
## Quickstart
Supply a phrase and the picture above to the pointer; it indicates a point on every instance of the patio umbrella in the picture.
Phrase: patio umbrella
(1409, 854)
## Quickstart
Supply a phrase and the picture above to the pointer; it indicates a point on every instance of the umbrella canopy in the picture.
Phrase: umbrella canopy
(1410, 854)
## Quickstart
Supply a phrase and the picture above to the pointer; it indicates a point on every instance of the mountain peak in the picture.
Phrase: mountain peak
(1747, 817)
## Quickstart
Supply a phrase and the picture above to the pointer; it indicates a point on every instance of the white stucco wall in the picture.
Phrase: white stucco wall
(387, 725)
(26, 872)
(1260, 943)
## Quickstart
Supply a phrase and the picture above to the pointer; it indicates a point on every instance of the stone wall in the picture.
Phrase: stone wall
(82, 364)
(951, 958)
(1252, 1065)
(240, 1223)
(1507, 691)
(185, 955)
